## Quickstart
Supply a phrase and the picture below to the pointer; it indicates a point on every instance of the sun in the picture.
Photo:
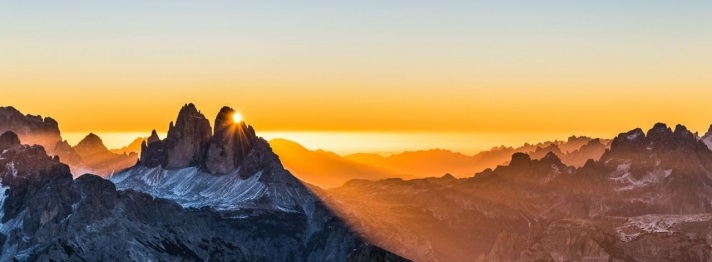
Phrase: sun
(237, 117)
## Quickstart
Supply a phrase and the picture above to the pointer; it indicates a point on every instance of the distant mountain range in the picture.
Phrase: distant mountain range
(88, 156)
(648, 198)
(327, 169)
(222, 193)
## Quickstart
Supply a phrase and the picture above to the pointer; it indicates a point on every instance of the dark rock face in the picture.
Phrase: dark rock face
(187, 141)
(153, 151)
(371, 253)
(8, 140)
(230, 144)
(191, 143)
(30, 129)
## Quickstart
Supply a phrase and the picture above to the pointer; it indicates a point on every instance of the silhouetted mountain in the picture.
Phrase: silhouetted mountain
(133, 147)
(322, 168)
(647, 192)
(89, 156)
(436, 162)
(187, 141)
(30, 129)
(69, 156)
(99, 160)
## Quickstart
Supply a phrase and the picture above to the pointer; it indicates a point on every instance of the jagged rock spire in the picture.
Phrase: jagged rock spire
(187, 140)
(230, 143)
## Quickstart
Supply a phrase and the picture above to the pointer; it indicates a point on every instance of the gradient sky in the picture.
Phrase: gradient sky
(596, 67)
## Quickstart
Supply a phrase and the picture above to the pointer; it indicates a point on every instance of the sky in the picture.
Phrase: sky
(502, 71)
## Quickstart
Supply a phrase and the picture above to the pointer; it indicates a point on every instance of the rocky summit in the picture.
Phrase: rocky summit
(31, 129)
(230, 144)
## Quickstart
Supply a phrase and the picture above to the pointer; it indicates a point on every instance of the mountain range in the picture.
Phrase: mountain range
(88, 156)
(647, 198)
(327, 169)
(221, 193)
(197, 195)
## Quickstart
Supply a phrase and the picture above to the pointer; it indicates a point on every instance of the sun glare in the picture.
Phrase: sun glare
(237, 117)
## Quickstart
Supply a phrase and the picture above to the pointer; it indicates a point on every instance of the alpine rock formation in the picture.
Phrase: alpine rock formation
(256, 211)
(648, 198)
(255, 204)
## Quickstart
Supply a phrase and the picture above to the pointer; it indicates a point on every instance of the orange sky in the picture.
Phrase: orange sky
(481, 68)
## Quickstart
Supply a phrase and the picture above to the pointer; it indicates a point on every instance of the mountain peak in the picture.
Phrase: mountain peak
(187, 140)
(91, 143)
(230, 143)
(551, 157)
(9, 139)
(91, 138)
(31, 129)
(192, 142)
(519, 158)
(659, 130)
(153, 138)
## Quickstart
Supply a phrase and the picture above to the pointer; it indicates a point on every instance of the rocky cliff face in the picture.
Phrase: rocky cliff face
(187, 141)
(192, 143)
(230, 144)
(153, 151)
(30, 129)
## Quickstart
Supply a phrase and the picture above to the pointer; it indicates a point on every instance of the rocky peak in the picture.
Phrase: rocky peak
(154, 137)
(709, 132)
(31, 129)
(519, 159)
(188, 139)
(91, 144)
(9, 139)
(551, 157)
(230, 144)
(681, 132)
(153, 151)
(628, 140)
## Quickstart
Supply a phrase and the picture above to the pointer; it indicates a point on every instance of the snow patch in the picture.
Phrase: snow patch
(648, 224)
(623, 181)
(633, 136)
(193, 188)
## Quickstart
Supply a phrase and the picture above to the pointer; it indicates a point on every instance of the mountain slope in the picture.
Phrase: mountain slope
(322, 168)
(648, 198)
(99, 159)
(133, 147)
